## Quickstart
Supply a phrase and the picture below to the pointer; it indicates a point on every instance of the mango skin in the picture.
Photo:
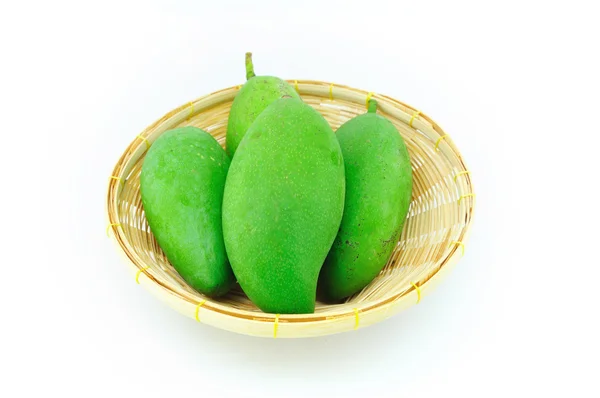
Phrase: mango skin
(182, 182)
(378, 195)
(283, 203)
(252, 99)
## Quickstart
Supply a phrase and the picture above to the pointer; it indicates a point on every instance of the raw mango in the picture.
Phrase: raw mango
(182, 182)
(255, 95)
(378, 194)
(283, 203)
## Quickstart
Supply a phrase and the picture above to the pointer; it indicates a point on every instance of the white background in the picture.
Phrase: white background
(515, 83)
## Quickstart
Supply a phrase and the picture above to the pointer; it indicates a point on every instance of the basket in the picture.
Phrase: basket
(431, 243)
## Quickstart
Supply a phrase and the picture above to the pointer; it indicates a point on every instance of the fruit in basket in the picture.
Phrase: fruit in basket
(253, 98)
(378, 194)
(282, 207)
(181, 183)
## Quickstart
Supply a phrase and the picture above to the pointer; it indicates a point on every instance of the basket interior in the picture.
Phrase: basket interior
(437, 219)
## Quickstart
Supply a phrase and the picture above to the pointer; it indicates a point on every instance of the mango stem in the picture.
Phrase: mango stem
(249, 67)
(372, 106)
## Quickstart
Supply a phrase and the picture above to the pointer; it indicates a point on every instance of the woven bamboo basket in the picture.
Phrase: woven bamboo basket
(432, 241)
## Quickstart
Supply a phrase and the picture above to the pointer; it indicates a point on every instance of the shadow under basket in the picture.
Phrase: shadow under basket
(432, 241)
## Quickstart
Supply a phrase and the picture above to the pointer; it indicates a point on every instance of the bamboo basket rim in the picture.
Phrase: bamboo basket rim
(326, 90)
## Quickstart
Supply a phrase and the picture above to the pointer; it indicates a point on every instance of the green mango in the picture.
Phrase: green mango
(255, 95)
(378, 195)
(283, 203)
(182, 182)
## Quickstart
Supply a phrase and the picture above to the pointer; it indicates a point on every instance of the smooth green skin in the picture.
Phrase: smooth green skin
(283, 203)
(182, 182)
(378, 194)
(252, 99)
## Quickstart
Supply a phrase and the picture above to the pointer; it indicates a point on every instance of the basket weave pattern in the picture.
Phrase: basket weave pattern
(432, 241)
